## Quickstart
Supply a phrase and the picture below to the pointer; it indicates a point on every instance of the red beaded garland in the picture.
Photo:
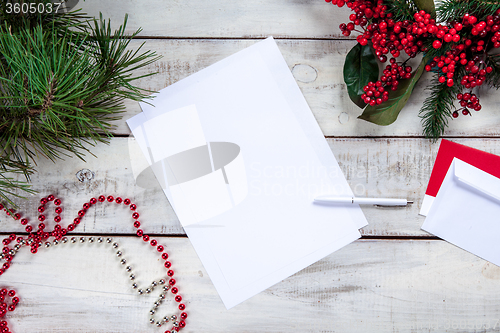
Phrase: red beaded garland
(35, 241)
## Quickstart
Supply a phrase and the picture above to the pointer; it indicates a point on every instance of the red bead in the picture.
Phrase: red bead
(170, 273)
(182, 323)
(12, 237)
(71, 227)
(102, 198)
(15, 300)
(137, 224)
(171, 282)
(6, 266)
(133, 207)
(153, 242)
(57, 202)
(93, 201)
(111, 198)
(178, 298)
(145, 238)
(50, 197)
(1, 206)
(81, 213)
(24, 221)
(168, 264)
(135, 215)
(11, 293)
(58, 210)
(159, 248)
(41, 226)
(57, 219)
(12, 307)
(17, 216)
(118, 200)
(76, 221)
(139, 232)
(184, 315)
(43, 201)
(126, 202)
(174, 290)
(41, 209)
(29, 228)
(164, 255)
(86, 206)
(41, 218)
(34, 250)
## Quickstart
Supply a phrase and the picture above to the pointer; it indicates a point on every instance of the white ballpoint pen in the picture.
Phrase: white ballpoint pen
(330, 199)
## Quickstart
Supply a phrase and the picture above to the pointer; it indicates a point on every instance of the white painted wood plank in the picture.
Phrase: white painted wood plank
(317, 66)
(224, 18)
(373, 167)
(368, 286)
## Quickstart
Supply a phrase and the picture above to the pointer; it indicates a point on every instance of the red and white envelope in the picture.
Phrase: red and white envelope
(448, 150)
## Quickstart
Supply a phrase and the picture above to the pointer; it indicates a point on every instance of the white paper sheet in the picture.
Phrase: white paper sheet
(271, 228)
(466, 209)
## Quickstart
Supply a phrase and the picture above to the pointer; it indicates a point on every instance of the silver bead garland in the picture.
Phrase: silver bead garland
(132, 276)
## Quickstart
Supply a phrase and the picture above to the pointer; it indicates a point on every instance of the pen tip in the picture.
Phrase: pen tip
(410, 202)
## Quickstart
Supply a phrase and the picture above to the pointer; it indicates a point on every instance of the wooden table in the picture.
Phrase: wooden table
(397, 278)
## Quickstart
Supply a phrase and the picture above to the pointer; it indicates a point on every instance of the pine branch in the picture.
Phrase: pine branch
(454, 10)
(493, 78)
(401, 9)
(437, 108)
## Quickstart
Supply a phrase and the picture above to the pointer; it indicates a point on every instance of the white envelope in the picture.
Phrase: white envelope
(466, 211)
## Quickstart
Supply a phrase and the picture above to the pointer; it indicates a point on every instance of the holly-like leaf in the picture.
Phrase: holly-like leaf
(360, 68)
(386, 113)
(427, 5)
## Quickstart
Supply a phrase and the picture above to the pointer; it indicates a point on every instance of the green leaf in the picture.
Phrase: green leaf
(386, 113)
(360, 68)
(427, 5)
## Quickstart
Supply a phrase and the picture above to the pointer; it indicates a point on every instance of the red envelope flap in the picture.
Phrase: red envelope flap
(487, 162)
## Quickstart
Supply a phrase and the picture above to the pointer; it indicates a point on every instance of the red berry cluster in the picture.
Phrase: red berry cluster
(375, 92)
(468, 52)
(468, 39)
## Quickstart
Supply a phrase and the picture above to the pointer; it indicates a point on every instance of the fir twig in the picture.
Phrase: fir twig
(401, 9)
(437, 108)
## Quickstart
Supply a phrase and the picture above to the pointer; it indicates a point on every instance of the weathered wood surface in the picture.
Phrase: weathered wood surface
(374, 167)
(317, 66)
(224, 18)
(368, 286)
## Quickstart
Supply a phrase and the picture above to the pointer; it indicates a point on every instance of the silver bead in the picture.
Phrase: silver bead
(162, 281)
(40, 244)
(176, 324)
(154, 284)
(128, 268)
(12, 252)
(148, 290)
(173, 317)
(123, 261)
(152, 311)
(82, 239)
(158, 324)
(109, 240)
(91, 239)
(134, 285)
(2, 255)
(157, 304)
(17, 247)
(73, 239)
(152, 320)
(132, 276)
(166, 288)
(140, 291)
(47, 244)
(30, 241)
(118, 253)
(100, 240)
(165, 319)
(162, 296)
(64, 240)
(56, 242)
(115, 245)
